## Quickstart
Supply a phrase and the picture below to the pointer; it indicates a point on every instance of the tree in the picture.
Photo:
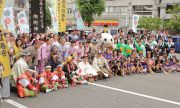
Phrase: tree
(89, 8)
(47, 15)
(150, 23)
(173, 24)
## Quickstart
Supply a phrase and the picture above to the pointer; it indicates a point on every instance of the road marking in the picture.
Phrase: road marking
(137, 94)
(15, 103)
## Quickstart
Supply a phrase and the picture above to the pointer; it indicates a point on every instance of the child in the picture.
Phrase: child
(171, 54)
(158, 64)
(167, 67)
(139, 68)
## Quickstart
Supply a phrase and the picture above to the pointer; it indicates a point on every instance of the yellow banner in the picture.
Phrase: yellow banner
(4, 56)
(62, 9)
(2, 4)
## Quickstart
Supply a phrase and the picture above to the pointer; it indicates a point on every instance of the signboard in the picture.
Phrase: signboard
(37, 16)
(62, 22)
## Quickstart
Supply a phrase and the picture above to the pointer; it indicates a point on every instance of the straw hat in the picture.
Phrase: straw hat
(68, 59)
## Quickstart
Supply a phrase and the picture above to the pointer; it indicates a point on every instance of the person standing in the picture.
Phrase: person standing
(5, 60)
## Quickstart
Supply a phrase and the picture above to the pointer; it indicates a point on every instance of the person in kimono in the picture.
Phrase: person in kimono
(20, 67)
(72, 48)
(101, 65)
(86, 69)
(72, 72)
(26, 84)
(80, 51)
(63, 49)
(44, 54)
(45, 84)
(54, 60)
(58, 76)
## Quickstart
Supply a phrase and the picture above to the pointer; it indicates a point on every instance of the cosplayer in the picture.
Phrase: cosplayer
(26, 84)
(100, 64)
(58, 76)
(72, 72)
(86, 69)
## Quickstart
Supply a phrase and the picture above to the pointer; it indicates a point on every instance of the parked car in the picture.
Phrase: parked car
(176, 40)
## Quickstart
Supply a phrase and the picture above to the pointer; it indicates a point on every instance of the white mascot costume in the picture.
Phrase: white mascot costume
(106, 41)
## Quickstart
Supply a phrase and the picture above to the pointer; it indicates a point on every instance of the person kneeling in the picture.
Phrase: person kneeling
(25, 84)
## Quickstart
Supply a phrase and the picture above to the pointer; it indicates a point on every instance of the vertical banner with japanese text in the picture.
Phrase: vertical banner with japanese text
(2, 4)
(62, 9)
(135, 20)
(54, 22)
(8, 19)
(23, 22)
(37, 16)
(78, 18)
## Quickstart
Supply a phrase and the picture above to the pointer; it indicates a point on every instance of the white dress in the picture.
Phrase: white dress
(86, 69)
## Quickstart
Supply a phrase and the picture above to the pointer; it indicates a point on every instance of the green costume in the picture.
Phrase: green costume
(127, 50)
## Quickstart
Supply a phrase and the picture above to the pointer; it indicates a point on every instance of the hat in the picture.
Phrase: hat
(68, 59)
(99, 52)
(73, 55)
(47, 67)
(60, 65)
(25, 53)
(30, 70)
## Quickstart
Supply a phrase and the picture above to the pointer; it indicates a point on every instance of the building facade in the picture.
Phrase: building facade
(118, 13)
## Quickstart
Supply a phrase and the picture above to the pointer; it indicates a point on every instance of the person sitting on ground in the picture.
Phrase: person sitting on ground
(101, 65)
(71, 72)
(86, 69)
(26, 84)
(58, 76)
(45, 80)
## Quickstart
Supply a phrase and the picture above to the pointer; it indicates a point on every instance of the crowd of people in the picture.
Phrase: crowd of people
(46, 62)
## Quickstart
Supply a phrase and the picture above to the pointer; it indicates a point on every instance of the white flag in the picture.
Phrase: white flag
(54, 20)
(8, 19)
(135, 20)
(23, 22)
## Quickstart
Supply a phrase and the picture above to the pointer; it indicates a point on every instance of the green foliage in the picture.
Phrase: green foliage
(89, 8)
(150, 23)
(174, 23)
(47, 15)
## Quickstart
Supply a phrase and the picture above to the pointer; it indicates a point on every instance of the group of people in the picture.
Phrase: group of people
(33, 63)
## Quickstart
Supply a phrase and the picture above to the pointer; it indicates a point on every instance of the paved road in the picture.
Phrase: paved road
(90, 96)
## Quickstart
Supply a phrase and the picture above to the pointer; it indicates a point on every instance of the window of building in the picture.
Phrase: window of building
(143, 10)
(110, 8)
(168, 7)
(69, 10)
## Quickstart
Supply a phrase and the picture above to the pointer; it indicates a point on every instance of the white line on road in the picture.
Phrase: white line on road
(137, 94)
(15, 103)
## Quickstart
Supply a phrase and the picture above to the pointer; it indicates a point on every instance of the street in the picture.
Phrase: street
(135, 91)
